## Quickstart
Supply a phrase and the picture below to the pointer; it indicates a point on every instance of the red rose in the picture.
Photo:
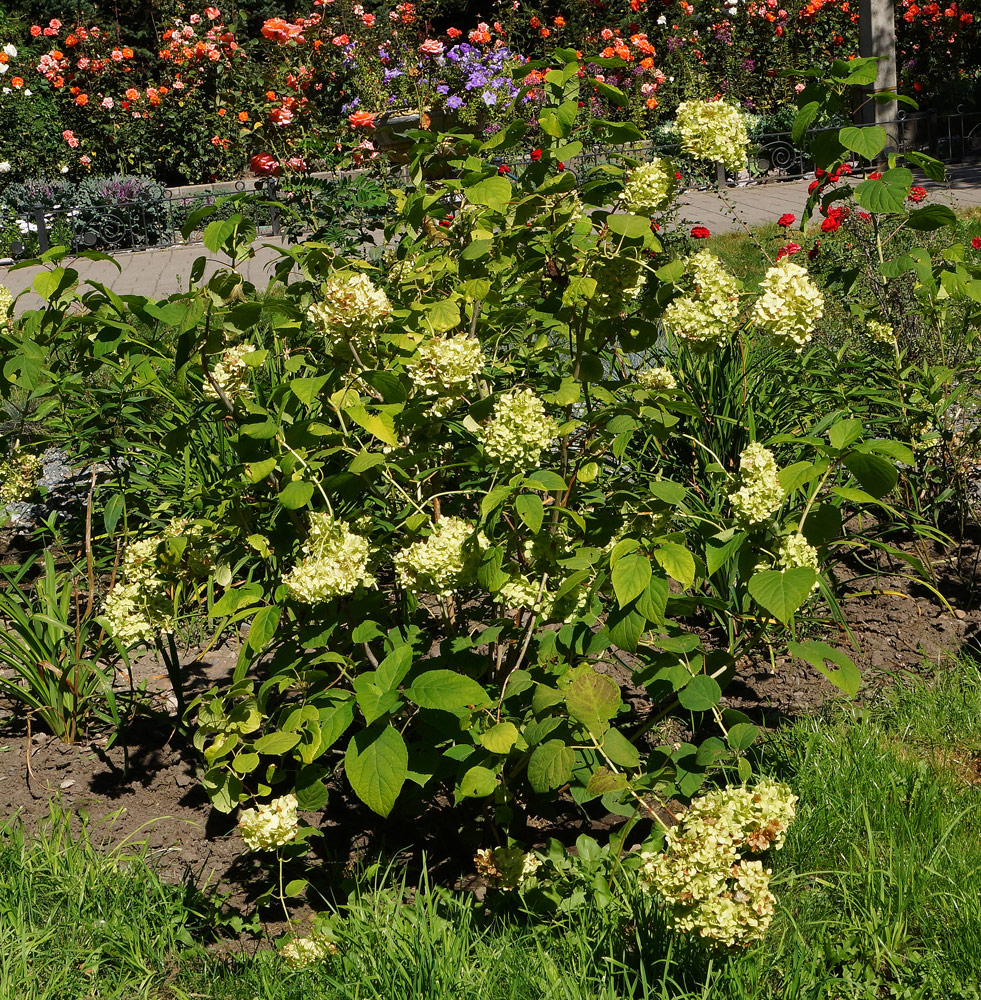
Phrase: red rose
(830, 224)
(813, 186)
(265, 165)
(787, 219)
(788, 250)
(361, 119)
(536, 155)
(976, 243)
(700, 233)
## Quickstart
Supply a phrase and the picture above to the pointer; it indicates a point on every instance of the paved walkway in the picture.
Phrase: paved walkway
(159, 273)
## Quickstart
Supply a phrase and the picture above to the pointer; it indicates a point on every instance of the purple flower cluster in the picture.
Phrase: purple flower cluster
(481, 73)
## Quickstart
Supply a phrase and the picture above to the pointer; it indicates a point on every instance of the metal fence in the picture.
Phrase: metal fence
(157, 218)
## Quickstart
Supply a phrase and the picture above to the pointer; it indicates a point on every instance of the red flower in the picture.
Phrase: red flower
(561, 166)
(875, 176)
(788, 250)
(265, 165)
(787, 219)
(281, 116)
(830, 224)
(454, 32)
(976, 243)
(536, 155)
(503, 169)
(813, 186)
(917, 193)
(700, 233)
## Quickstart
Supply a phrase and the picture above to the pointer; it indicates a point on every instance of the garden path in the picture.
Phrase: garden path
(159, 273)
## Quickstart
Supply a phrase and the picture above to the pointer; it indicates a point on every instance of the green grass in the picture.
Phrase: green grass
(879, 888)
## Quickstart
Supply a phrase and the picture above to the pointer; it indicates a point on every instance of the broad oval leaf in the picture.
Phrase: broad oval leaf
(550, 766)
(447, 691)
(782, 591)
(376, 764)
(631, 575)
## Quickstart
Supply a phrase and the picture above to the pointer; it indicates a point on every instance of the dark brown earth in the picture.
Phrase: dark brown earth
(146, 787)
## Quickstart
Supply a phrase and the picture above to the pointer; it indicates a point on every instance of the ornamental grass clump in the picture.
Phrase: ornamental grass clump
(649, 188)
(759, 494)
(714, 131)
(790, 306)
(519, 431)
(702, 874)
(270, 825)
(334, 562)
(707, 316)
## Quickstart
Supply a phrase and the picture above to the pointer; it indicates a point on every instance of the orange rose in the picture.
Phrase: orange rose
(243, 116)
(82, 100)
(16, 82)
(132, 94)
(127, 53)
(222, 112)
(361, 119)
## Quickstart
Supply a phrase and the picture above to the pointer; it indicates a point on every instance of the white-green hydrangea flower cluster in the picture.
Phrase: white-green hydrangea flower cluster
(790, 304)
(436, 564)
(795, 550)
(230, 373)
(446, 365)
(702, 874)
(302, 952)
(881, 333)
(18, 477)
(271, 825)
(649, 188)
(505, 867)
(334, 563)
(760, 492)
(520, 592)
(6, 301)
(713, 130)
(139, 606)
(620, 281)
(657, 379)
(519, 430)
(351, 312)
(707, 316)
